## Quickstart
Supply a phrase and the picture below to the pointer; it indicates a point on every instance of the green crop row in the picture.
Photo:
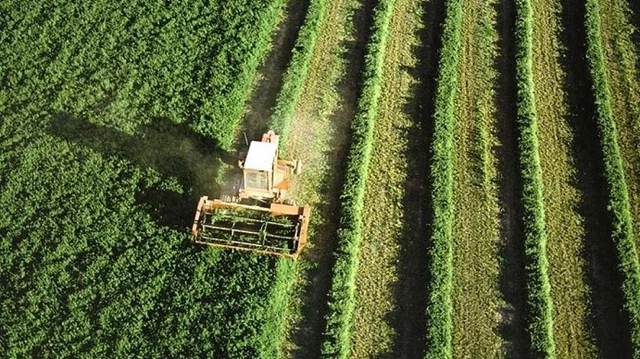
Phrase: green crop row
(273, 333)
(341, 302)
(618, 206)
(540, 322)
(439, 304)
(297, 70)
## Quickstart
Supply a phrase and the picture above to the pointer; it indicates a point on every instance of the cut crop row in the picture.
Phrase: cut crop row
(540, 323)
(439, 301)
(273, 335)
(297, 70)
(341, 295)
(618, 203)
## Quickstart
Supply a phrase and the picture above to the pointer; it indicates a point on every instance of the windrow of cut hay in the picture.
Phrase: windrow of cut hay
(297, 70)
(618, 203)
(540, 322)
(341, 294)
(439, 302)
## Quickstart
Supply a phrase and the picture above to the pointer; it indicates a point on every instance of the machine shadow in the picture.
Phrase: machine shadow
(607, 318)
(307, 338)
(173, 150)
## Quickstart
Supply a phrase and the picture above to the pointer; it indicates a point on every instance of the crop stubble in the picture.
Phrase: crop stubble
(394, 204)
(624, 81)
(319, 136)
(565, 225)
(476, 295)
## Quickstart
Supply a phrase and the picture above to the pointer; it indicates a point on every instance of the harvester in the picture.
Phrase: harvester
(256, 215)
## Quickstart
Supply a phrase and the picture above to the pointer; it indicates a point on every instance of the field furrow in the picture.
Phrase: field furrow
(476, 295)
(389, 316)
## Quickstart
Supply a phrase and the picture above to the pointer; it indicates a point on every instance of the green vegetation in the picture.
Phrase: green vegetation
(538, 289)
(100, 179)
(124, 65)
(341, 296)
(619, 206)
(439, 303)
(297, 70)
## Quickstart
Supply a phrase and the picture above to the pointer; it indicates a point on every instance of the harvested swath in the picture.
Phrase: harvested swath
(619, 206)
(341, 295)
(280, 121)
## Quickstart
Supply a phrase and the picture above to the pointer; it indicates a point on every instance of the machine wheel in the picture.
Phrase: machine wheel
(298, 168)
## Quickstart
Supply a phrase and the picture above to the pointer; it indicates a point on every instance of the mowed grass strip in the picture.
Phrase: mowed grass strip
(565, 225)
(385, 221)
(341, 294)
(476, 295)
(539, 316)
(440, 266)
(274, 333)
(604, 83)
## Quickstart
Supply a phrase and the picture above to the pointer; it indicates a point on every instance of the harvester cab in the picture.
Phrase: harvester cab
(265, 177)
(257, 216)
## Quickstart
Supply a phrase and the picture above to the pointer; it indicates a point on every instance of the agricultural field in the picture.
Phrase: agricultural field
(472, 169)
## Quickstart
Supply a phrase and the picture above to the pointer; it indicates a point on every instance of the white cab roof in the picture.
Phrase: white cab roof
(261, 156)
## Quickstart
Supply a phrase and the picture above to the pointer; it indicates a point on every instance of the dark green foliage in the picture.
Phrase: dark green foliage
(297, 70)
(99, 181)
(125, 63)
(87, 272)
(619, 207)
(540, 321)
(341, 300)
